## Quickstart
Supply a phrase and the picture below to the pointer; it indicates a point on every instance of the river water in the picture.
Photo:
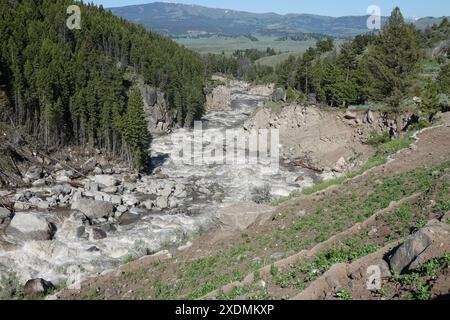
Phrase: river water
(208, 188)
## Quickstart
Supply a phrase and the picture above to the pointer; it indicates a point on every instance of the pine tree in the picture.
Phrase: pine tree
(135, 129)
(443, 80)
(430, 100)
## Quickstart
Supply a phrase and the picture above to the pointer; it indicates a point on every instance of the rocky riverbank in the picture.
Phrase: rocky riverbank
(86, 213)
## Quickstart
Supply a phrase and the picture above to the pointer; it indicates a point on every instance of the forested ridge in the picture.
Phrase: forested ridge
(384, 66)
(70, 86)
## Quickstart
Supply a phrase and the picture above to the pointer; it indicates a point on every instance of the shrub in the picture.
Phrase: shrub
(10, 287)
(377, 139)
(261, 194)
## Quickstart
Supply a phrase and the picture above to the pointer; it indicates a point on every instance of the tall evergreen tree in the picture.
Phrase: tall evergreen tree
(393, 60)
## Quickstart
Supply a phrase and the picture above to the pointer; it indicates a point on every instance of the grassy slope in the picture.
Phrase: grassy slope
(229, 45)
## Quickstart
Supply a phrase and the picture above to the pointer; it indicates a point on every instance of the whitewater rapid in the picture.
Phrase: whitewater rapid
(209, 188)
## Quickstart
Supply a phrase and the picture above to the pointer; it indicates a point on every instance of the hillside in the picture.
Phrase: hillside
(178, 19)
(76, 87)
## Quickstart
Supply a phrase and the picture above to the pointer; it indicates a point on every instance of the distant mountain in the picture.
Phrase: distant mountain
(173, 19)
(423, 23)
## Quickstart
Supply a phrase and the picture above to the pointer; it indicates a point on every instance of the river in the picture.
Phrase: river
(207, 189)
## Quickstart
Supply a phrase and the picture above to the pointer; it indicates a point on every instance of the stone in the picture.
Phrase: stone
(93, 209)
(173, 203)
(137, 211)
(132, 178)
(162, 202)
(148, 204)
(34, 173)
(64, 176)
(341, 165)
(121, 209)
(181, 195)
(241, 216)
(77, 195)
(204, 191)
(107, 180)
(43, 205)
(20, 206)
(431, 241)
(180, 190)
(370, 117)
(166, 192)
(4, 213)
(279, 95)
(111, 189)
(39, 183)
(128, 218)
(29, 226)
(115, 200)
(71, 229)
(97, 171)
(92, 186)
(130, 200)
(97, 234)
(349, 115)
(36, 287)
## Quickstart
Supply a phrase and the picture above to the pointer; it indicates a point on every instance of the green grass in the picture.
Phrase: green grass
(419, 278)
(10, 287)
(275, 107)
(344, 294)
(228, 45)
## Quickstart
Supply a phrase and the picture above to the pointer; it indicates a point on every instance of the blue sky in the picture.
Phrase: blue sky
(324, 7)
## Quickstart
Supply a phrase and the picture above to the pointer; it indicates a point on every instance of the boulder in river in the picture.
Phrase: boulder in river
(30, 226)
(97, 234)
(162, 202)
(72, 228)
(4, 213)
(107, 180)
(241, 216)
(93, 209)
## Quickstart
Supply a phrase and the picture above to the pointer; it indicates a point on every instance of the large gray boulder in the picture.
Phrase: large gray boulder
(72, 228)
(429, 242)
(279, 95)
(107, 180)
(241, 216)
(93, 209)
(4, 213)
(29, 226)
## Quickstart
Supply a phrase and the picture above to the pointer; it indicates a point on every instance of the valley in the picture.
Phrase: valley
(178, 152)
